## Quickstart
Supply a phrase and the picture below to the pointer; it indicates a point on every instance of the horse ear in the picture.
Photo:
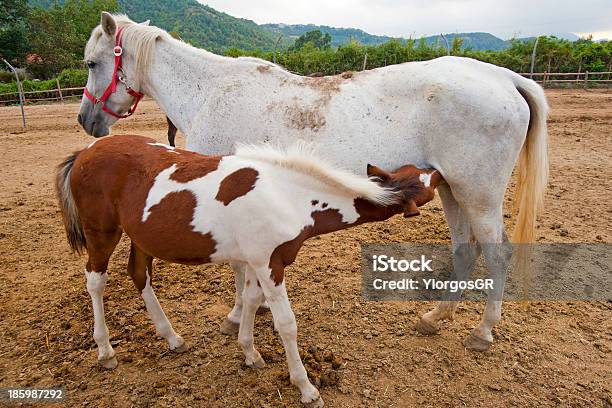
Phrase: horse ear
(108, 24)
(374, 171)
(145, 23)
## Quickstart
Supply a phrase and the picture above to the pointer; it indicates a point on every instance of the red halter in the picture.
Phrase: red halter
(112, 87)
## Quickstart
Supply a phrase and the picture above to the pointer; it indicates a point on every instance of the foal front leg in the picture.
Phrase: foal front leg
(284, 321)
(96, 282)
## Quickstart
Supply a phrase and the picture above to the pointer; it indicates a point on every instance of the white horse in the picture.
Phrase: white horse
(469, 120)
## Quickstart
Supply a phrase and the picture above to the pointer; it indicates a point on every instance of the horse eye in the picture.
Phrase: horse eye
(91, 64)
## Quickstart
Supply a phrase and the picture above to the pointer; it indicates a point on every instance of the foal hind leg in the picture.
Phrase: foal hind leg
(100, 246)
(284, 321)
(465, 252)
(231, 324)
(140, 268)
(252, 297)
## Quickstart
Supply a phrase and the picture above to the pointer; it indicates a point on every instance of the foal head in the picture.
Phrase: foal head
(414, 186)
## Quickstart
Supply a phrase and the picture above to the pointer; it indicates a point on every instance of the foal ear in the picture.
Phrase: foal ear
(145, 23)
(375, 171)
(108, 24)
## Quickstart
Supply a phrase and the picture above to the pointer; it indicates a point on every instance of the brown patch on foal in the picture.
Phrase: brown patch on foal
(263, 68)
(284, 255)
(169, 235)
(185, 173)
(236, 185)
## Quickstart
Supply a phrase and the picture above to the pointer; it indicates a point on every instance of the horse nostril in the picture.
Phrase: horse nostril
(80, 119)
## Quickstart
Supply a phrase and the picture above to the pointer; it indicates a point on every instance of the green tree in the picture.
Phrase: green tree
(315, 37)
(58, 34)
(13, 30)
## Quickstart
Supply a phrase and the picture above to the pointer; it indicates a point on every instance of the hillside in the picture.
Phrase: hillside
(475, 41)
(196, 23)
(340, 36)
(216, 31)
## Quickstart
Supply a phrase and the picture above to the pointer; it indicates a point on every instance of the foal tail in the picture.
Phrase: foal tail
(532, 169)
(70, 213)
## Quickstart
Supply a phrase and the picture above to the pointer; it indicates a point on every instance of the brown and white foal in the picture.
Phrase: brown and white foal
(256, 207)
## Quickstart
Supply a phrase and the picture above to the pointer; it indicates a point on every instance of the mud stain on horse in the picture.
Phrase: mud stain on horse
(301, 117)
(311, 116)
(236, 185)
(263, 68)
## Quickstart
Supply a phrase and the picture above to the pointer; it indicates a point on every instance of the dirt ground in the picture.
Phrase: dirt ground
(545, 354)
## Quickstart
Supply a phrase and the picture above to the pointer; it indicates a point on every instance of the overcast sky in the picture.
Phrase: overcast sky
(503, 18)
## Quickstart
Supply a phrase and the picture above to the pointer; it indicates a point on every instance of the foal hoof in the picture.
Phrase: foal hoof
(180, 349)
(318, 403)
(426, 328)
(229, 328)
(475, 343)
(109, 364)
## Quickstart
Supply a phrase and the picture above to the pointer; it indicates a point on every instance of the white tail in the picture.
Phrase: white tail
(532, 178)
(532, 169)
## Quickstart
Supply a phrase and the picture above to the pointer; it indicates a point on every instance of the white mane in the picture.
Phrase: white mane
(301, 157)
(140, 40)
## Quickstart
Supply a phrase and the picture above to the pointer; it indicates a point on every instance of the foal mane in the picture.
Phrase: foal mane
(302, 157)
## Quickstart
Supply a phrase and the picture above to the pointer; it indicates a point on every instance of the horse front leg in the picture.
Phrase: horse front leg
(285, 324)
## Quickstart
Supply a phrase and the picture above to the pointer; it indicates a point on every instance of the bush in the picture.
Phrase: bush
(8, 76)
(68, 78)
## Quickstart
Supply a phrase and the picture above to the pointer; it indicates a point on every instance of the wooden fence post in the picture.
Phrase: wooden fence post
(586, 78)
(59, 90)
(365, 61)
(20, 91)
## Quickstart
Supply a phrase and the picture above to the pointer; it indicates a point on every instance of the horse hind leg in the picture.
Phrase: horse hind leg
(465, 252)
(489, 230)
(100, 246)
(140, 268)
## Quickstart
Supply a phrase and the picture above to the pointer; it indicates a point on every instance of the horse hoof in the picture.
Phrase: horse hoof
(318, 403)
(426, 328)
(257, 363)
(229, 328)
(181, 349)
(476, 343)
(109, 364)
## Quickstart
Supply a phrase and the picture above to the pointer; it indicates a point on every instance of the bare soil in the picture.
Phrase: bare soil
(545, 354)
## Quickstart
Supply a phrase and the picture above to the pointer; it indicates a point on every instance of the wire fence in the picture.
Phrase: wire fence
(585, 79)
(547, 79)
(58, 94)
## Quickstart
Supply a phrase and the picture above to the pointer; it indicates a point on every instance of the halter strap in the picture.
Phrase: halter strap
(116, 78)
